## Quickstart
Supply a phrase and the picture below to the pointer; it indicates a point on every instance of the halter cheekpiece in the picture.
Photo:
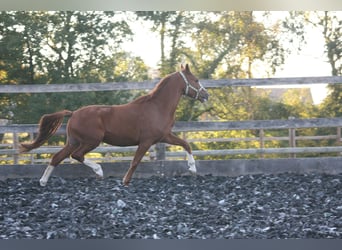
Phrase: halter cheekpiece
(189, 86)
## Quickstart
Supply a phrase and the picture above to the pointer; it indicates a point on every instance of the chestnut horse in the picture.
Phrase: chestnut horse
(143, 122)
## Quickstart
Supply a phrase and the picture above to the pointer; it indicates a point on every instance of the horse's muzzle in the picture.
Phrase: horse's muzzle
(203, 96)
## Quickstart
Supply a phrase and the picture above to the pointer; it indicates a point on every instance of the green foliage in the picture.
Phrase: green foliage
(332, 29)
(227, 45)
(330, 25)
(232, 44)
(79, 41)
(63, 47)
(172, 27)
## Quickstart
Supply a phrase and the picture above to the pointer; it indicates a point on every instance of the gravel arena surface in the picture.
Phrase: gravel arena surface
(188, 207)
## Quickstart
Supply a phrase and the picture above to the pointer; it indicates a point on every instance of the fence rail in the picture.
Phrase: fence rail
(211, 126)
(114, 86)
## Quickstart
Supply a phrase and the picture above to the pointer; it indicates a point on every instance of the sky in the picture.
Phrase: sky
(310, 61)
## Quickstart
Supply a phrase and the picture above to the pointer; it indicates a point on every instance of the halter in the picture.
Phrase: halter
(188, 85)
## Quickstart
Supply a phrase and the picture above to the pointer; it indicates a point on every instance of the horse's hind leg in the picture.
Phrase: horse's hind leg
(56, 159)
(174, 140)
(79, 153)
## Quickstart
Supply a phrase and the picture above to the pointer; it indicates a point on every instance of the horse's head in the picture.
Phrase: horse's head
(193, 88)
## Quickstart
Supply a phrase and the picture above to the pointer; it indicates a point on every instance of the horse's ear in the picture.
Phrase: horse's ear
(187, 68)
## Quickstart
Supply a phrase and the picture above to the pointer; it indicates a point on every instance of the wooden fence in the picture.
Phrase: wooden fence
(9, 151)
(14, 133)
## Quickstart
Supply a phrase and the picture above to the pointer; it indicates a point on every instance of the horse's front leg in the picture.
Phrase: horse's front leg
(139, 154)
(174, 140)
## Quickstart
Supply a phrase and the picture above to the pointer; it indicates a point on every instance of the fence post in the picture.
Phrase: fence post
(338, 135)
(160, 151)
(31, 155)
(152, 153)
(292, 138)
(338, 138)
(15, 146)
(262, 141)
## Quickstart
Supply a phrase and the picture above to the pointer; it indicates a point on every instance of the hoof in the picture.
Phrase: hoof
(125, 182)
(99, 173)
(42, 183)
(192, 168)
(98, 177)
(192, 171)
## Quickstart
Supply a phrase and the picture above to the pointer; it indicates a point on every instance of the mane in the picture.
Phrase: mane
(155, 91)
(160, 85)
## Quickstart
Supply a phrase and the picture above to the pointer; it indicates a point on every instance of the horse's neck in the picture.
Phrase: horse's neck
(168, 97)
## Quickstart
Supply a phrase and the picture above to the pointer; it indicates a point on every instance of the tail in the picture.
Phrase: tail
(48, 125)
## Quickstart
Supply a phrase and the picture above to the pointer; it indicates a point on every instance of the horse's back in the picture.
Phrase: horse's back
(115, 125)
(89, 115)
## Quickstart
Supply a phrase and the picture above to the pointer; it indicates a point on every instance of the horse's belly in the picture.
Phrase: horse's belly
(120, 140)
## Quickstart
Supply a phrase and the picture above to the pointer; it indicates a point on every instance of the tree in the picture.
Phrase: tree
(227, 44)
(17, 48)
(119, 67)
(63, 47)
(54, 47)
(331, 26)
(329, 23)
(231, 45)
(79, 41)
(172, 27)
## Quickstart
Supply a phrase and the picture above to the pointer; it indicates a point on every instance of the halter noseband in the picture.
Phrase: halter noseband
(188, 85)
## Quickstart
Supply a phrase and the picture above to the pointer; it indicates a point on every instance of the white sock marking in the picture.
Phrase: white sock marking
(191, 163)
(46, 175)
(94, 166)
